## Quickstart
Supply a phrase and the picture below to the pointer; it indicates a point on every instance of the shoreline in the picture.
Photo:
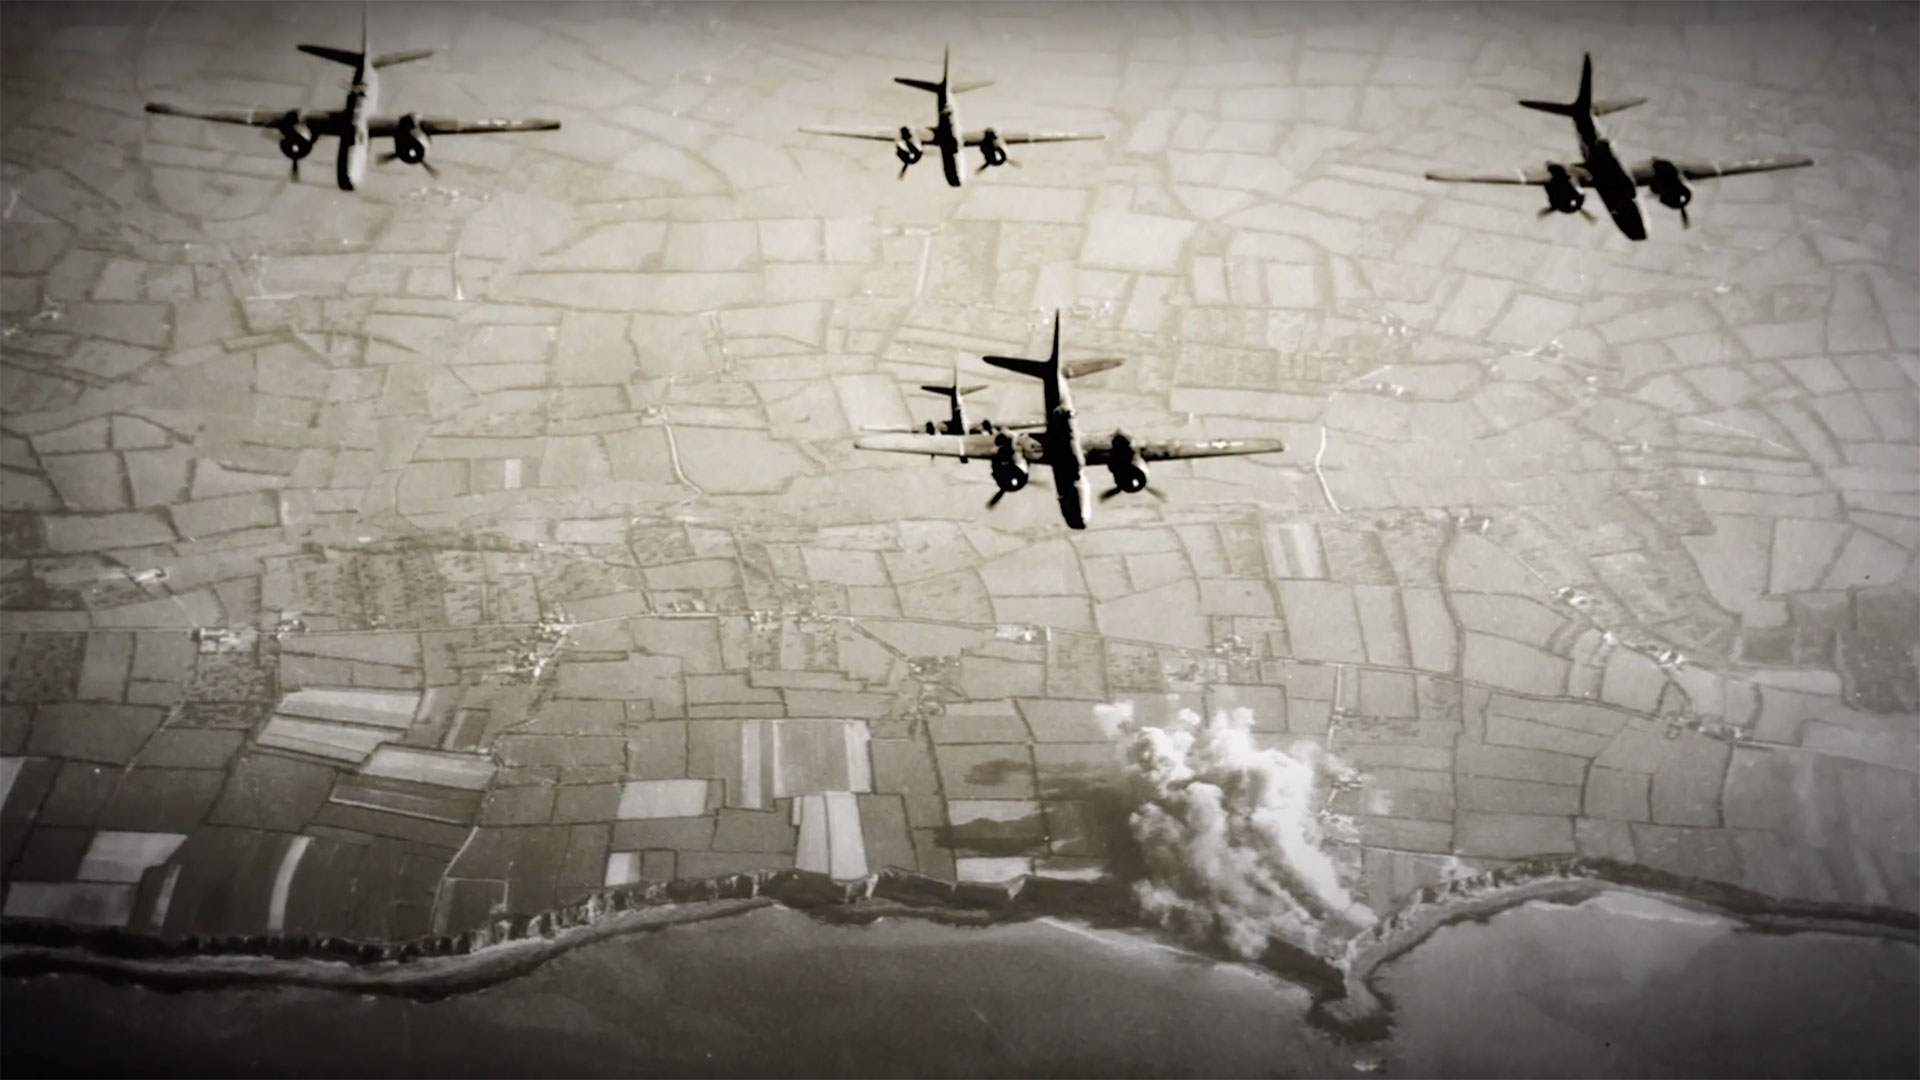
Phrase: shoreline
(1361, 1012)
(429, 969)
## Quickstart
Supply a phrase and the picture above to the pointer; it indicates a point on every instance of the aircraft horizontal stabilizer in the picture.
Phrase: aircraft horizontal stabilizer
(1039, 369)
(928, 85)
(1557, 108)
(1074, 369)
(385, 60)
(1613, 105)
(963, 87)
(339, 56)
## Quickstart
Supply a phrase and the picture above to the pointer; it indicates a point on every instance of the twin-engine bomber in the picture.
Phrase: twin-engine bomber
(1061, 446)
(1598, 168)
(957, 422)
(946, 135)
(1010, 447)
(358, 124)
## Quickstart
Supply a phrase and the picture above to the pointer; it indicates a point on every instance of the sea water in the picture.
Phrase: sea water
(1624, 985)
(1617, 986)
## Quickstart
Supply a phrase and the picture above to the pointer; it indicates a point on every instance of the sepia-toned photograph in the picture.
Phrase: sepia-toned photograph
(959, 538)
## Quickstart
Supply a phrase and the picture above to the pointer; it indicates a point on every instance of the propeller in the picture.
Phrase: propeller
(290, 133)
(1685, 222)
(993, 152)
(1149, 489)
(410, 122)
(1005, 451)
(1126, 457)
(1001, 493)
(903, 170)
(1545, 211)
(390, 157)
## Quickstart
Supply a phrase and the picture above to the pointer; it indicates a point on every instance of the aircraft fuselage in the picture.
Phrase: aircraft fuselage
(1065, 452)
(1611, 181)
(946, 135)
(355, 143)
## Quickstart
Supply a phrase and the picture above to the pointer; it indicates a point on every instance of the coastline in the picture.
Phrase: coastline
(1361, 1012)
(1345, 1001)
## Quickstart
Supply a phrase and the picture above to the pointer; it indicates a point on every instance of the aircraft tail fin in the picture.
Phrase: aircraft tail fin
(1578, 106)
(339, 56)
(931, 87)
(386, 60)
(355, 60)
(1039, 369)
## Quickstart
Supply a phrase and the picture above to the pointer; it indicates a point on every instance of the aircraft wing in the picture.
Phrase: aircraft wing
(381, 127)
(956, 446)
(1100, 448)
(1708, 170)
(318, 121)
(1537, 176)
(1011, 425)
(1017, 138)
(967, 446)
(924, 135)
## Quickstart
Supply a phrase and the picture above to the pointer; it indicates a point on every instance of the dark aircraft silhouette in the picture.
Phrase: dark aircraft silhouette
(957, 422)
(946, 135)
(1062, 447)
(1598, 168)
(357, 124)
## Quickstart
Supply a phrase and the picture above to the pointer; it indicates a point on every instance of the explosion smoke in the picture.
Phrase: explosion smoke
(1227, 829)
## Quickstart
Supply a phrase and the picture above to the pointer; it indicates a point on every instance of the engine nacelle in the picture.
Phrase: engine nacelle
(906, 148)
(409, 142)
(1562, 194)
(1128, 477)
(1668, 184)
(1129, 472)
(991, 151)
(1007, 472)
(1009, 476)
(296, 139)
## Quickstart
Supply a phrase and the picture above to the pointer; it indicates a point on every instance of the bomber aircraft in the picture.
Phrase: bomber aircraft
(957, 422)
(1617, 185)
(358, 123)
(946, 135)
(1062, 447)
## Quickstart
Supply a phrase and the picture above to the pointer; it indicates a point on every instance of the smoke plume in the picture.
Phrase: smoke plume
(1228, 831)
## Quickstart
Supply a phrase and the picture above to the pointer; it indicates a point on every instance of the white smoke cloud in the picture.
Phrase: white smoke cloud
(1228, 831)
